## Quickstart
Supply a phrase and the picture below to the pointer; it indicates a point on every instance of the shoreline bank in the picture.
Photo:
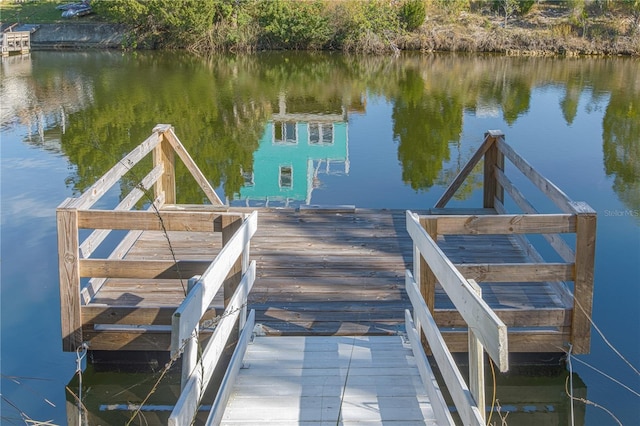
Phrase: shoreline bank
(432, 37)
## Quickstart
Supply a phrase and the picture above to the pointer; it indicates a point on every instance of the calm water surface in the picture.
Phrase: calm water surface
(384, 132)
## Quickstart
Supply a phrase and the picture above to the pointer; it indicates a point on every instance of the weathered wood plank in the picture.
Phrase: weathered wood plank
(326, 292)
(517, 272)
(534, 341)
(547, 187)
(116, 268)
(141, 340)
(583, 284)
(148, 315)
(507, 224)
(561, 247)
(93, 241)
(427, 277)
(102, 185)
(69, 275)
(163, 156)
(230, 225)
(149, 220)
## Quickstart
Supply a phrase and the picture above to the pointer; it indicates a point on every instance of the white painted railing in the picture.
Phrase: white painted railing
(196, 373)
(486, 330)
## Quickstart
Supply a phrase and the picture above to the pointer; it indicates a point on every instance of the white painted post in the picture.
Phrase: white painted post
(190, 353)
(476, 364)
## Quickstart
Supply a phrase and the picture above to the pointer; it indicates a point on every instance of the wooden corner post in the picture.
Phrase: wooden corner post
(493, 158)
(427, 280)
(69, 273)
(230, 225)
(163, 154)
(584, 277)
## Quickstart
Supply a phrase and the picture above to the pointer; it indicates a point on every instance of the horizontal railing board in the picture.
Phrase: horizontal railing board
(161, 269)
(150, 220)
(511, 317)
(486, 325)
(517, 272)
(113, 314)
(455, 384)
(506, 224)
(547, 187)
(561, 247)
(93, 241)
(533, 341)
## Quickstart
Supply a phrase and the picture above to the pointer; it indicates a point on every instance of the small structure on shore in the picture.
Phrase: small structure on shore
(15, 41)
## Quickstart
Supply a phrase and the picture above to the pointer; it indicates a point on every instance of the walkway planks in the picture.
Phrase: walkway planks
(334, 273)
(298, 380)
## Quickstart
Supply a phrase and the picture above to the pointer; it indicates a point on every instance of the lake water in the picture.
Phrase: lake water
(392, 133)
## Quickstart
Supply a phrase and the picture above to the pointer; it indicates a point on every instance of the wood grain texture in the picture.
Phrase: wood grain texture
(583, 285)
(69, 276)
(321, 273)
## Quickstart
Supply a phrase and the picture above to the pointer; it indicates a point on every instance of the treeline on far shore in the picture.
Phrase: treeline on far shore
(571, 27)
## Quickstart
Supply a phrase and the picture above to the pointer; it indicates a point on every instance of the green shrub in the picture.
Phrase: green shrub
(413, 13)
(294, 24)
(365, 25)
(453, 7)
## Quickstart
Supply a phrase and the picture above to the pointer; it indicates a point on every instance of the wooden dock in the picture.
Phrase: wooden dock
(16, 41)
(312, 272)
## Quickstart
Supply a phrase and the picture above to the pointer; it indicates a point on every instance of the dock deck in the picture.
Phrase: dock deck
(328, 272)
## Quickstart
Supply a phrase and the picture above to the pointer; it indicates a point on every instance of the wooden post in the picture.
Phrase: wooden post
(476, 364)
(230, 224)
(427, 279)
(583, 282)
(165, 155)
(190, 353)
(69, 273)
(493, 158)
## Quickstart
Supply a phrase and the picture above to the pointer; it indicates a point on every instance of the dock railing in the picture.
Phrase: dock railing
(486, 331)
(199, 364)
(576, 218)
(158, 187)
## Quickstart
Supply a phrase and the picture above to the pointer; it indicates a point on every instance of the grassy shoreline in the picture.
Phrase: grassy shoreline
(548, 28)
